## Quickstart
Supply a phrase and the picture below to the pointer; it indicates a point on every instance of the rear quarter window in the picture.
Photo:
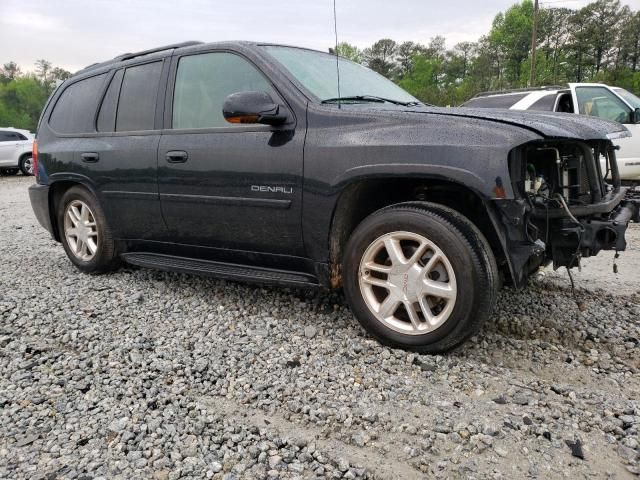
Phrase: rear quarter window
(497, 101)
(75, 110)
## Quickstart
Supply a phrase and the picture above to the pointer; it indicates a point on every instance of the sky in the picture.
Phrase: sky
(74, 33)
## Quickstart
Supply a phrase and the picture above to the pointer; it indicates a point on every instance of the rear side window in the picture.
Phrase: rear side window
(496, 101)
(204, 81)
(545, 103)
(107, 115)
(8, 137)
(75, 110)
(137, 104)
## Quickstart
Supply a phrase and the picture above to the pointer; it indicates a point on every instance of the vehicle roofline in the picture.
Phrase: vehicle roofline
(515, 91)
(172, 49)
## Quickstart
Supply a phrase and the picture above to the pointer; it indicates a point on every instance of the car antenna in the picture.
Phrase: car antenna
(335, 30)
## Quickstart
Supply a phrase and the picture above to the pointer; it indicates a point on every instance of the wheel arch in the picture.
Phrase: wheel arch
(362, 197)
(56, 190)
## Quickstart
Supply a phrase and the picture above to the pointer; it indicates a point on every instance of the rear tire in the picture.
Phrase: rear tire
(9, 171)
(26, 165)
(434, 291)
(86, 236)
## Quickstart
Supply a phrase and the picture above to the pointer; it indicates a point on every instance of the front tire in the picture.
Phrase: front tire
(419, 276)
(85, 233)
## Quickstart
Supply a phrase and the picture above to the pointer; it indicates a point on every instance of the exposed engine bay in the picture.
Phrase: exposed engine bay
(572, 211)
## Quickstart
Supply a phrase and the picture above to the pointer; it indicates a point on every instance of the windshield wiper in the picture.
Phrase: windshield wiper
(369, 98)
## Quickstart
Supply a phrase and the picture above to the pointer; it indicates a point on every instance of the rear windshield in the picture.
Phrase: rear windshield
(495, 101)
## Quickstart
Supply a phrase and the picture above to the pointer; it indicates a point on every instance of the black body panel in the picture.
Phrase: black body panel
(267, 196)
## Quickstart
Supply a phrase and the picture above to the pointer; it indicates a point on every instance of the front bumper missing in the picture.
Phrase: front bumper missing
(571, 242)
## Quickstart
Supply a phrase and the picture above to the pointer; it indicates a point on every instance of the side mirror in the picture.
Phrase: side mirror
(635, 116)
(253, 107)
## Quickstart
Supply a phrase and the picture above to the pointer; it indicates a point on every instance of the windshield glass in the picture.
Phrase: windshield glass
(629, 97)
(316, 71)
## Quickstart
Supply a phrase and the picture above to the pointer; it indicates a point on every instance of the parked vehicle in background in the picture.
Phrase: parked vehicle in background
(245, 161)
(15, 151)
(594, 99)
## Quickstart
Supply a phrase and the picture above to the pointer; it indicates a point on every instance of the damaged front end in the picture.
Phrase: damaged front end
(563, 209)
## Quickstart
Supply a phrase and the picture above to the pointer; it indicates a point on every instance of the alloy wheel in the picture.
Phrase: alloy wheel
(81, 230)
(407, 282)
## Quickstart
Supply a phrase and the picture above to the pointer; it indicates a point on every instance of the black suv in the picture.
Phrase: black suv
(248, 161)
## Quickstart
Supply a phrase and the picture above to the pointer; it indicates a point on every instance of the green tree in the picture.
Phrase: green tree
(511, 36)
(9, 71)
(350, 52)
(381, 56)
(43, 68)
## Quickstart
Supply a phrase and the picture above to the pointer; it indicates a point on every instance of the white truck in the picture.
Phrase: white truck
(595, 99)
(15, 151)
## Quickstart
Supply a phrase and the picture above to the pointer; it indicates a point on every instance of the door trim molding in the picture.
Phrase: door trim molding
(220, 200)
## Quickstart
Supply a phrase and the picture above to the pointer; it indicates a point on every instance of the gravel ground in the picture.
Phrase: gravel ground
(144, 374)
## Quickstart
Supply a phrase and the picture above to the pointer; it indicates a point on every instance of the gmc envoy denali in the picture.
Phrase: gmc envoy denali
(247, 161)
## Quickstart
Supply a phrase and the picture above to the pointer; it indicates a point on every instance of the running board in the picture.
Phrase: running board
(228, 271)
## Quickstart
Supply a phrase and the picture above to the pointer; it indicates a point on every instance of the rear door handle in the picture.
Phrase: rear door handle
(90, 157)
(177, 156)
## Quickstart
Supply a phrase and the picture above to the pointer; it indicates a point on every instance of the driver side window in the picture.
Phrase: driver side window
(600, 102)
(204, 81)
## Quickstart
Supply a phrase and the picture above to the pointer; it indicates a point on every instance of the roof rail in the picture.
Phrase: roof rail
(518, 90)
(128, 56)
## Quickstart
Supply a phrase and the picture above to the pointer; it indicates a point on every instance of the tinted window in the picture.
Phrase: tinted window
(546, 103)
(137, 104)
(203, 82)
(21, 137)
(495, 101)
(107, 115)
(600, 102)
(76, 108)
(7, 137)
(565, 103)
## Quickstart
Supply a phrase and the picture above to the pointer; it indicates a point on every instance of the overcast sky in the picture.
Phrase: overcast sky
(74, 33)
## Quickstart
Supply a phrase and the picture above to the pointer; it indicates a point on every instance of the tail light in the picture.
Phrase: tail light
(34, 157)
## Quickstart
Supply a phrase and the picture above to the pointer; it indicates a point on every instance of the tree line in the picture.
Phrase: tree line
(23, 95)
(597, 43)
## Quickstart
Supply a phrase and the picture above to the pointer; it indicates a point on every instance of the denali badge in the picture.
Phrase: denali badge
(267, 188)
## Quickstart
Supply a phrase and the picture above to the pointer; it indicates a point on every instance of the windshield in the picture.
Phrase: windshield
(628, 96)
(316, 71)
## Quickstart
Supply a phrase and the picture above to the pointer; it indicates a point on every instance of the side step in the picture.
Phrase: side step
(229, 271)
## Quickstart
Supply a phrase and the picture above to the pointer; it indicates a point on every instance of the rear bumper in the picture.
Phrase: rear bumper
(39, 196)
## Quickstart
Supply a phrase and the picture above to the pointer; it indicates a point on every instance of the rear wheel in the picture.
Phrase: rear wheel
(9, 171)
(85, 233)
(419, 276)
(26, 164)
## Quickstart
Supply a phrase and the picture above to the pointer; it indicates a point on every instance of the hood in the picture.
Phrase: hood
(549, 125)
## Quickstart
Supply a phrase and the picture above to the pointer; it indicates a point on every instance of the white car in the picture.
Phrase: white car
(595, 99)
(15, 151)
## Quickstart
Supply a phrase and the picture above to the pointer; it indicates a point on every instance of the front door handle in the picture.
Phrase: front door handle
(177, 156)
(90, 157)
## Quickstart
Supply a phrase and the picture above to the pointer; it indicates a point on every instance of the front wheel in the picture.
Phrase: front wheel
(419, 276)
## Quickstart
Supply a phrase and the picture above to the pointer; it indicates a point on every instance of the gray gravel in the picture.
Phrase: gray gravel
(144, 374)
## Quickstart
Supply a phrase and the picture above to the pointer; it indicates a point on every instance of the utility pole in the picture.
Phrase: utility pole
(534, 39)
